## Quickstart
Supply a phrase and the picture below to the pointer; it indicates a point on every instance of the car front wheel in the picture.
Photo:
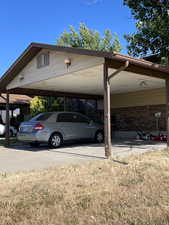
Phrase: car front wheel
(55, 141)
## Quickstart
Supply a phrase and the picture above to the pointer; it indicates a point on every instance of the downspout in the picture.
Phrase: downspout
(107, 107)
(122, 68)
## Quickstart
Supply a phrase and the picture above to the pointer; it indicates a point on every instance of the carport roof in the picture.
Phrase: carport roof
(114, 60)
(16, 99)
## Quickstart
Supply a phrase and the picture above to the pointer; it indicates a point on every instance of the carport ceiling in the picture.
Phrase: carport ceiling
(90, 81)
(85, 75)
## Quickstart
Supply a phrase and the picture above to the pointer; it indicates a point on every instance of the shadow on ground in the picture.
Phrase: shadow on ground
(19, 157)
(121, 144)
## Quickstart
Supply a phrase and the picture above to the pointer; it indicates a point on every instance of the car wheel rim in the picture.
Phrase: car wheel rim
(56, 140)
(99, 137)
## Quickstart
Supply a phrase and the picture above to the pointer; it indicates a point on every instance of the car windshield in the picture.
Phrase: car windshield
(41, 117)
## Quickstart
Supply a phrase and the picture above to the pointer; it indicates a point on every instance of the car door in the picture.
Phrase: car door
(82, 126)
(65, 121)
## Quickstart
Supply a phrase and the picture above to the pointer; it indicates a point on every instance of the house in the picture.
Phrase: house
(129, 91)
(18, 104)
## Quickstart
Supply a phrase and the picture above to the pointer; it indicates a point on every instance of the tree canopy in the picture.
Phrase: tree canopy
(152, 23)
(89, 39)
(37, 105)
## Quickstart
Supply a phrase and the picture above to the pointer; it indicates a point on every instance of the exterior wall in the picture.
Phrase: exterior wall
(138, 117)
(139, 98)
(135, 110)
(55, 68)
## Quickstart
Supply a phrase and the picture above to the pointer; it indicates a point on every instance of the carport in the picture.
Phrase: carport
(81, 73)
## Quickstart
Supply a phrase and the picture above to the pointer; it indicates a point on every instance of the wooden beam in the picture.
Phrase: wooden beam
(167, 110)
(107, 113)
(138, 68)
(107, 107)
(7, 126)
(37, 92)
(2, 97)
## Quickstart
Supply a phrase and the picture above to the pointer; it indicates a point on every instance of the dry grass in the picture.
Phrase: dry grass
(101, 192)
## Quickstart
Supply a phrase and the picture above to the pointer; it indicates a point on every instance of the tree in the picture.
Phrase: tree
(37, 105)
(89, 39)
(152, 23)
(43, 104)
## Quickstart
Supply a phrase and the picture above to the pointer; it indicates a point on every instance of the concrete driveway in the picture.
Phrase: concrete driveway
(24, 158)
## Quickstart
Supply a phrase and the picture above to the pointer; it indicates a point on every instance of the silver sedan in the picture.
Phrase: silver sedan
(55, 128)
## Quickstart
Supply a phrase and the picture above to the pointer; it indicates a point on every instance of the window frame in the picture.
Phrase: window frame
(42, 116)
(43, 59)
(60, 114)
(74, 120)
(82, 119)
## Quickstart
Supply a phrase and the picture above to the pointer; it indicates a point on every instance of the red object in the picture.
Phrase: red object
(156, 138)
(38, 126)
(160, 138)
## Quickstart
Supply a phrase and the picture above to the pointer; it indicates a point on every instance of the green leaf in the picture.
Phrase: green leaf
(152, 24)
(89, 39)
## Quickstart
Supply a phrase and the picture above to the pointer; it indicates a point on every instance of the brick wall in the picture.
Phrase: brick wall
(142, 117)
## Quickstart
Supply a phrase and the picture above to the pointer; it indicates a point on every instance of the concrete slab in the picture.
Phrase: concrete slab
(25, 158)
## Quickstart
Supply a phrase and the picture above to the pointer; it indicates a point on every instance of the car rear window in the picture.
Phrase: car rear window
(41, 117)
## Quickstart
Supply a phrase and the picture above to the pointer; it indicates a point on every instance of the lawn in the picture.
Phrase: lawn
(100, 192)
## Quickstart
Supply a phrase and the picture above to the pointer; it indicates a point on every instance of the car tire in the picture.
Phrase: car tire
(34, 144)
(99, 136)
(55, 140)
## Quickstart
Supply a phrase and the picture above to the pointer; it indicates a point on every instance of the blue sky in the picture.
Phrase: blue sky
(23, 22)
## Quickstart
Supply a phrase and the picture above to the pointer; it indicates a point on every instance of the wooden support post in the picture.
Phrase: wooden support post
(107, 113)
(7, 133)
(167, 110)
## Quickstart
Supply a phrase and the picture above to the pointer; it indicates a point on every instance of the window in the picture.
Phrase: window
(65, 117)
(43, 59)
(73, 118)
(86, 107)
(81, 119)
(41, 117)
